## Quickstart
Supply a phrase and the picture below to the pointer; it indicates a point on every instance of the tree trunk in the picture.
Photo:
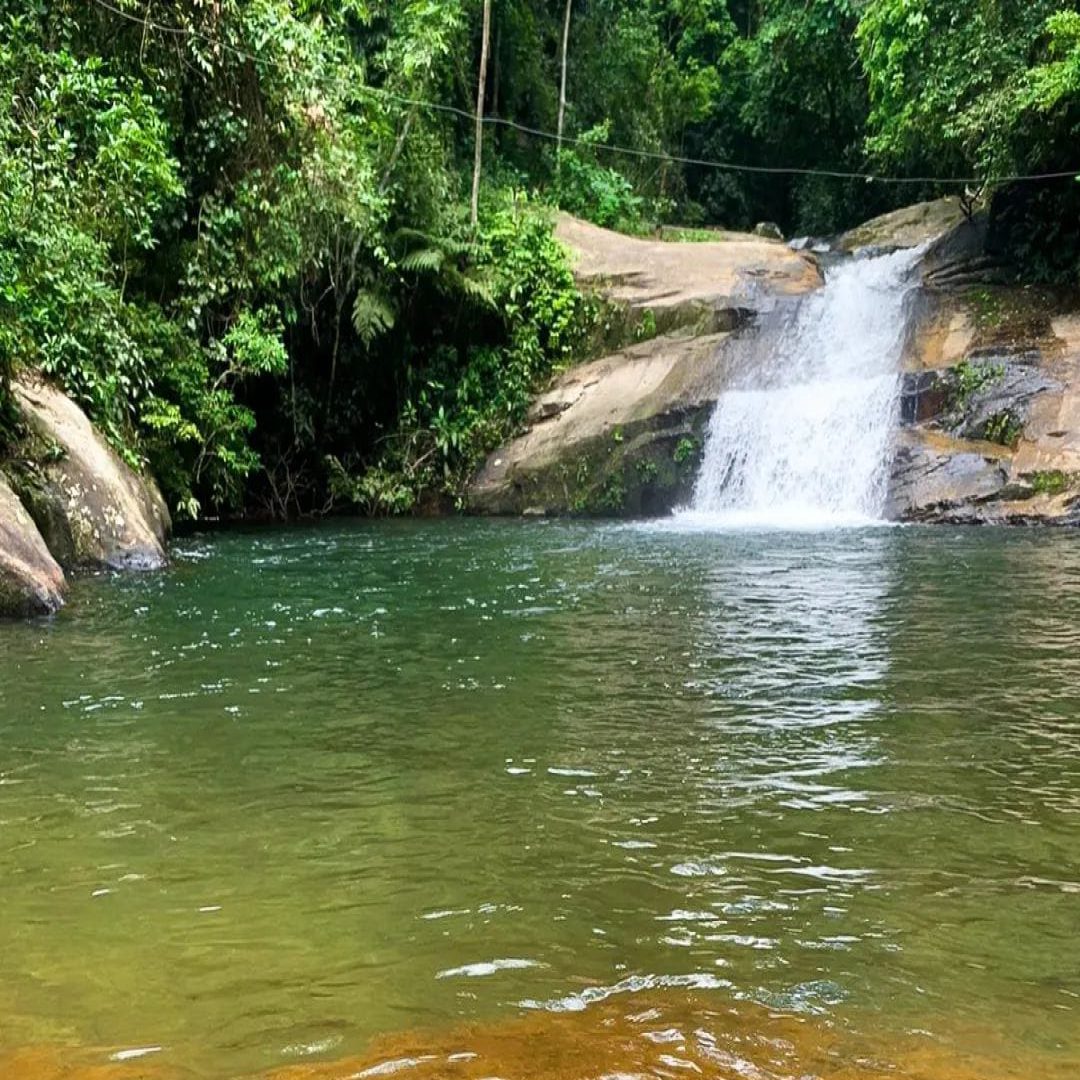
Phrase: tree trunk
(481, 86)
(562, 78)
(496, 75)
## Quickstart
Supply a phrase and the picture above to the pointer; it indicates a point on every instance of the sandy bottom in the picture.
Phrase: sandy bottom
(676, 1036)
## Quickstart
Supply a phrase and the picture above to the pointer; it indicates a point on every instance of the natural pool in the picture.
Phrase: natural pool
(549, 800)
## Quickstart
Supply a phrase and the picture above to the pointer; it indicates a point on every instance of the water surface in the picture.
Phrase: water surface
(406, 793)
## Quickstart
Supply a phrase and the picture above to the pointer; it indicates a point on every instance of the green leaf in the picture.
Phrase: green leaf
(372, 316)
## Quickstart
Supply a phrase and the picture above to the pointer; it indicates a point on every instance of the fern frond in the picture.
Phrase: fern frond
(415, 236)
(372, 315)
(479, 288)
(423, 261)
(460, 248)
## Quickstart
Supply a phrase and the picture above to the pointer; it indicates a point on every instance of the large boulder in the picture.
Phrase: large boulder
(31, 582)
(93, 510)
(619, 435)
(623, 434)
(908, 227)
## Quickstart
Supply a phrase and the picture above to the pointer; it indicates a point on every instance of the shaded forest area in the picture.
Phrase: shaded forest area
(240, 235)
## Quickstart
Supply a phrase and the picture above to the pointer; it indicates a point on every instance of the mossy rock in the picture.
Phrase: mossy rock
(644, 470)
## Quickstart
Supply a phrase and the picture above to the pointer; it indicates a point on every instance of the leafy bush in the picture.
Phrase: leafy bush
(465, 400)
(85, 170)
(593, 191)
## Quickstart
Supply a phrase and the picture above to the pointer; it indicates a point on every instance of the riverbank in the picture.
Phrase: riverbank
(987, 417)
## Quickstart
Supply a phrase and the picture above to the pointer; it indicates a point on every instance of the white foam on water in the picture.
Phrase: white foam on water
(803, 438)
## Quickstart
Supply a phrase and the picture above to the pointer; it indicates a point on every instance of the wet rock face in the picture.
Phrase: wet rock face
(944, 480)
(92, 509)
(990, 406)
(986, 396)
(31, 581)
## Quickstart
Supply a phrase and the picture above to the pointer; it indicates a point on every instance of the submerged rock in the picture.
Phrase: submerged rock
(31, 581)
(92, 509)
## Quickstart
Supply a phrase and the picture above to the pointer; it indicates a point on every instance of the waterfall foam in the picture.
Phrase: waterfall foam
(802, 439)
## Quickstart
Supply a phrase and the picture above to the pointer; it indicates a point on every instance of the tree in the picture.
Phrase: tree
(480, 90)
(562, 75)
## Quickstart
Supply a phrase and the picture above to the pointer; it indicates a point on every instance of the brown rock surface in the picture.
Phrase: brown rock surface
(1001, 360)
(657, 274)
(907, 227)
(31, 582)
(93, 509)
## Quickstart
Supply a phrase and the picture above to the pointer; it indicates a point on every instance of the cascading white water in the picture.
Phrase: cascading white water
(803, 436)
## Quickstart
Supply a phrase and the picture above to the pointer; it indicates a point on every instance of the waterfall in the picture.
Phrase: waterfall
(802, 437)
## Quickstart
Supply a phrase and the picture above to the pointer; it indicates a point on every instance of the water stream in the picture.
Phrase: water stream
(803, 436)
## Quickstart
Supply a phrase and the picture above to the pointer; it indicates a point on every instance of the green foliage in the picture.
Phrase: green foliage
(971, 376)
(1004, 428)
(987, 307)
(990, 90)
(943, 78)
(84, 170)
(646, 327)
(596, 192)
(1055, 82)
(467, 399)
(685, 450)
(372, 315)
(685, 235)
(1051, 482)
(233, 236)
(646, 469)
(612, 496)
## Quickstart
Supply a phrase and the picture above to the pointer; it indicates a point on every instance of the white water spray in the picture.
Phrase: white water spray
(803, 437)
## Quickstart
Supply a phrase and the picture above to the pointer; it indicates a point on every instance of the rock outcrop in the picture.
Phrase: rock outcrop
(623, 434)
(92, 509)
(31, 581)
(907, 227)
(68, 502)
(991, 408)
(991, 396)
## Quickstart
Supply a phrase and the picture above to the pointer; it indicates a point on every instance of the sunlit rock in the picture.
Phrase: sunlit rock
(92, 509)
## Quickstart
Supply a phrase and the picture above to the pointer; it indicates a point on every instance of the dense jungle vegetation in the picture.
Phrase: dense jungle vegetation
(237, 235)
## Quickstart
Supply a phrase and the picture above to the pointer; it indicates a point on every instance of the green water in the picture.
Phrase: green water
(311, 786)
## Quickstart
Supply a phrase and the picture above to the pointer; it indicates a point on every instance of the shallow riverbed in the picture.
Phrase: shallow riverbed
(429, 797)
